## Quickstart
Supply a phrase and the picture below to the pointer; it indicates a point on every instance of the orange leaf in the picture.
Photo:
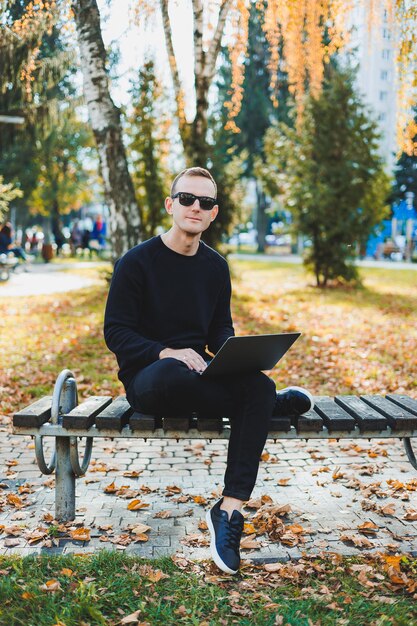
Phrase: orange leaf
(136, 504)
(66, 571)
(296, 529)
(13, 499)
(368, 528)
(199, 500)
(26, 595)
(80, 534)
(51, 586)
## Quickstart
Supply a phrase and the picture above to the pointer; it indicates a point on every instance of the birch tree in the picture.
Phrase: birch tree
(105, 121)
(194, 134)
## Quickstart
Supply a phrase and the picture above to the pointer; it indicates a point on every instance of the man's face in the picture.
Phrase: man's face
(192, 219)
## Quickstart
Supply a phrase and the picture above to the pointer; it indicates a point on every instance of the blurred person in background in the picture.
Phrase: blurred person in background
(7, 243)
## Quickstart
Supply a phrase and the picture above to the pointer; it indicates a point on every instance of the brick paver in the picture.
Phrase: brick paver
(325, 508)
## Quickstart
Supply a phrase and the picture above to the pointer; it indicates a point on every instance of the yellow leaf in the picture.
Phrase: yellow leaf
(80, 534)
(248, 528)
(27, 596)
(51, 586)
(66, 571)
(136, 504)
(199, 500)
(392, 561)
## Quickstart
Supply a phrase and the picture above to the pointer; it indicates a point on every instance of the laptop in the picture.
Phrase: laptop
(250, 353)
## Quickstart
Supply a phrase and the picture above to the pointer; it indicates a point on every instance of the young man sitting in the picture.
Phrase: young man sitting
(170, 299)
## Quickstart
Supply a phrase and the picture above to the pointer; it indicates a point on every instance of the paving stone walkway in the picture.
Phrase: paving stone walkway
(47, 278)
(177, 482)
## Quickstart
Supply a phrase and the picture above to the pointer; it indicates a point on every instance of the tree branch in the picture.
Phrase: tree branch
(217, 39)
(179, 94)
(198, 38)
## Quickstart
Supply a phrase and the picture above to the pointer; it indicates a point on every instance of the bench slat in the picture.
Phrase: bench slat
(367, 418)
(34, 414)
(404, 402)
(141, 421)
(335, 418)
(397, 417)
(83, 415)
(115, 415)
(308, 422)
(209, 423)
(280, 424)
(177, 423)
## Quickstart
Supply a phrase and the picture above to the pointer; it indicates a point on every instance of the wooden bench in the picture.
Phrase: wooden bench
(62, 417)
(7, 265)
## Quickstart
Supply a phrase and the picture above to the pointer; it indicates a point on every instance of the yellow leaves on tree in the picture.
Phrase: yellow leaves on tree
(237, 51)
(38, 18)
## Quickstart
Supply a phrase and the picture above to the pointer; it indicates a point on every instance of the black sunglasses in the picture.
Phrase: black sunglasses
(187, 199)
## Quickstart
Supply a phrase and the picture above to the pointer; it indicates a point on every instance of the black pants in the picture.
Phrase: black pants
(169, 387)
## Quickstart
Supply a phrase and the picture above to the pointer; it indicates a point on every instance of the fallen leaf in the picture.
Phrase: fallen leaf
(80, 534)
(133, 618)
(136, 504)
(51, 586)
(368, 528)
(140, 528)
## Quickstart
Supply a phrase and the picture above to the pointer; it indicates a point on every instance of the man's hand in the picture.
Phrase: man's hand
(187, 355)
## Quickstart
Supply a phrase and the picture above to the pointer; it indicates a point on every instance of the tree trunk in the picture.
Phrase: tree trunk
(261, 218)
(124, 223)
(194, 134)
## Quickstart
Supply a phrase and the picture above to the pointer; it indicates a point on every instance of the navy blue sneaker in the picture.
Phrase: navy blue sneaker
(293, 401)
(225, 537)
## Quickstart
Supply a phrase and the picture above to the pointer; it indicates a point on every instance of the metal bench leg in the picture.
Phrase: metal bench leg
(64, 399)
(410, 452)
(64, 482)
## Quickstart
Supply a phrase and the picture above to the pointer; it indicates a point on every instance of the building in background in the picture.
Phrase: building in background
(373, 48)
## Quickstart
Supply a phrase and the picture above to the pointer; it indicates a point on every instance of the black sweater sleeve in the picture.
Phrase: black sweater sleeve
(121, 319)
(221, 326)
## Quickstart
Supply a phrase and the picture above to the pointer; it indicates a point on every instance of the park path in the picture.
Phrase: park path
(297, 260)
(47, 278)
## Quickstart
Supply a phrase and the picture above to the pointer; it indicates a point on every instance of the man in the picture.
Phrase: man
(170, 299)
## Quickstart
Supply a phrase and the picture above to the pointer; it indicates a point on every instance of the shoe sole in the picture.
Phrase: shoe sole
(215, 555)
(303, 391)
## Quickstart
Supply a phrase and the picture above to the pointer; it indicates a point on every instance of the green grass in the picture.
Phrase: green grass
(102, 588)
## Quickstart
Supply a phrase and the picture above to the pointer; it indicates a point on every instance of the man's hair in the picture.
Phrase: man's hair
(194, 171)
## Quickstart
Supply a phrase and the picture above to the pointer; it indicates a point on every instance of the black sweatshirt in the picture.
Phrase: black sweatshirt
(160, 299)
